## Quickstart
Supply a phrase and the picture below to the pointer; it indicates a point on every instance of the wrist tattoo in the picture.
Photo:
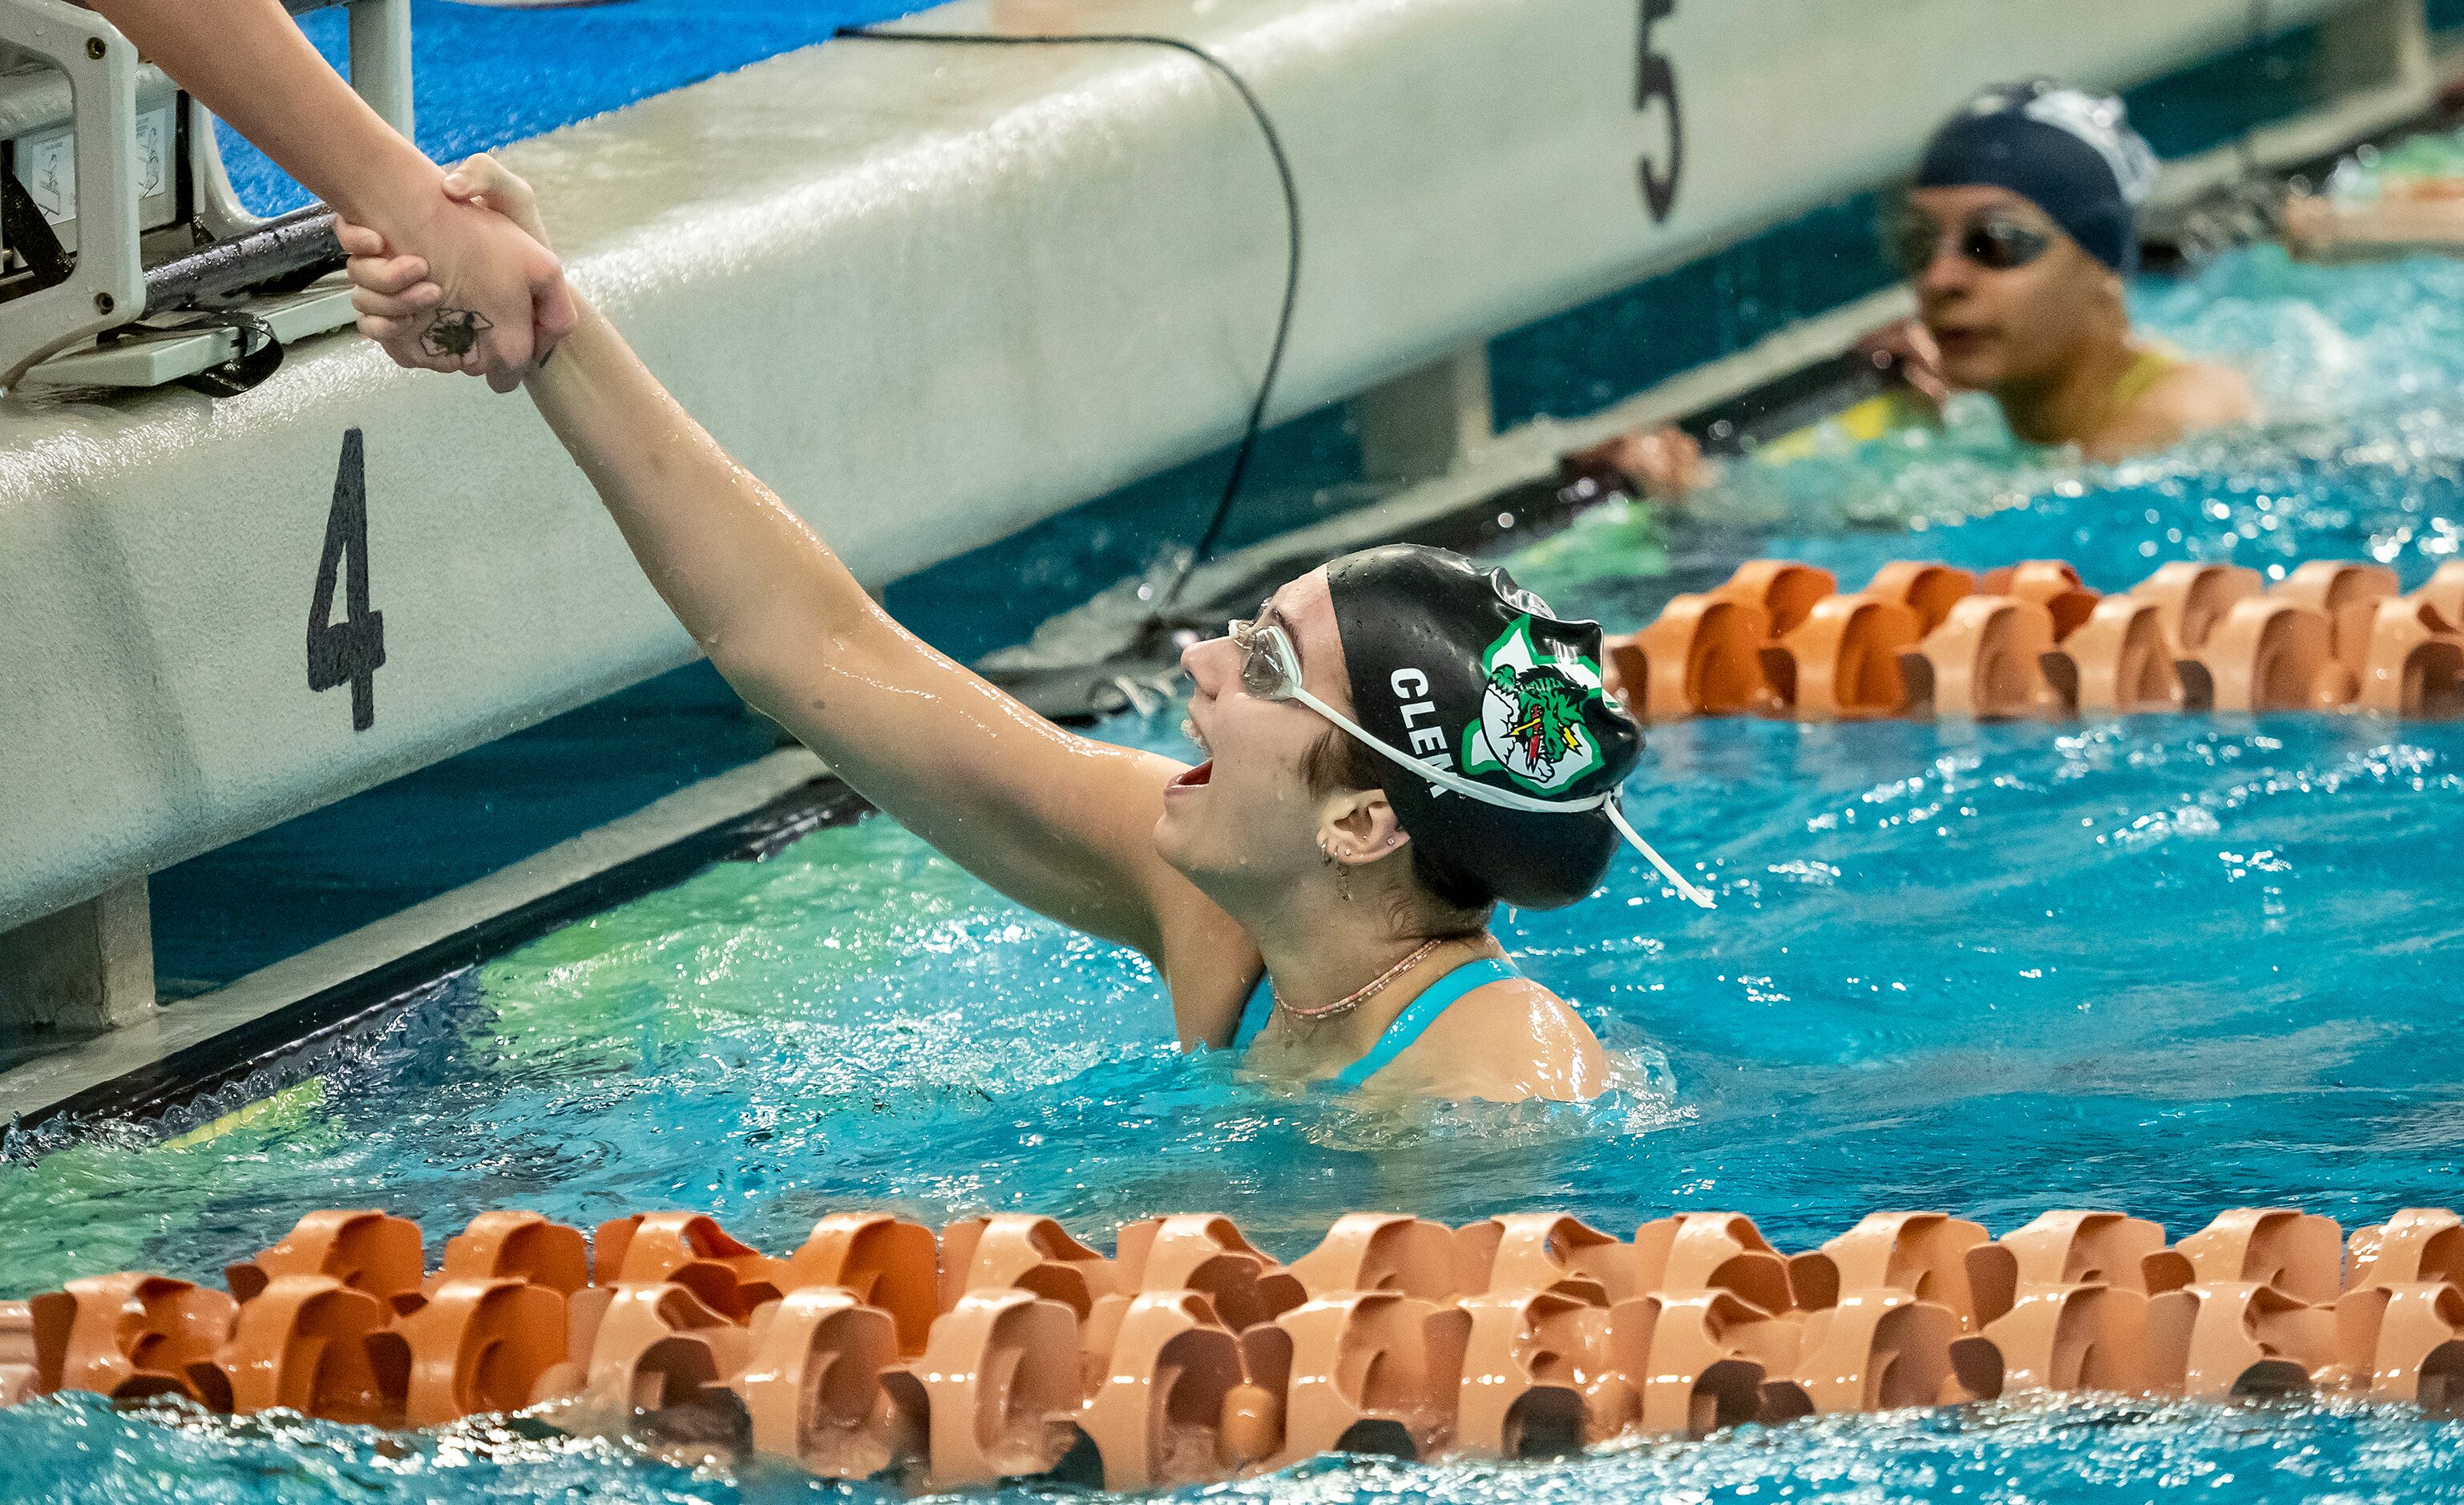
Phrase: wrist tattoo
(453, 330)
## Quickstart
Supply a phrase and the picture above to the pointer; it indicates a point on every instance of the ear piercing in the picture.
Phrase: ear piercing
(1393, 841)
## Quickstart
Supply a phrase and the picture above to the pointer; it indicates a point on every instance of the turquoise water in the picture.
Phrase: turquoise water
(2048, 1454)
(2173, 965)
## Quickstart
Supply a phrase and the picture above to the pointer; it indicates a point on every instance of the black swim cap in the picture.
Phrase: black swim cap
(1474, 675)
(2072, 154)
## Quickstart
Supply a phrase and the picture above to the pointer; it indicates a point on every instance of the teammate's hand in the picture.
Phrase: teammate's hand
(491, 185)
(470, 286)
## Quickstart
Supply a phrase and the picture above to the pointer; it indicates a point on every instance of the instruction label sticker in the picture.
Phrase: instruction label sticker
(154, 152)
(46, 166)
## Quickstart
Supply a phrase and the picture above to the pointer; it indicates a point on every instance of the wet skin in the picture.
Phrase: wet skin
(2051, 340)
(1210, 873)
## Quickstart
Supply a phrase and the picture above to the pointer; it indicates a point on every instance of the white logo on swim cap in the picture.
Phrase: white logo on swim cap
(2100, 121)
(1531, 722)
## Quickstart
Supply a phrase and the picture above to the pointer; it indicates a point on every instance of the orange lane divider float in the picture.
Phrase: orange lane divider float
(1925, 640)
(1001, 1347)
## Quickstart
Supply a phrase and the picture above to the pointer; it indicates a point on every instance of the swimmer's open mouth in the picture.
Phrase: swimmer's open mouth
(1194, 778)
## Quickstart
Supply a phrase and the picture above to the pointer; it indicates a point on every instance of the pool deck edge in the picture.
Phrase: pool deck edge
(37, 1086)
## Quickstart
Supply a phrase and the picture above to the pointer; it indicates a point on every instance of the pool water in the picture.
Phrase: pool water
(2173, 965)
(482, 76)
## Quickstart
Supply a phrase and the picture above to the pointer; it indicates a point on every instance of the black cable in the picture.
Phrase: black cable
(1257, 421)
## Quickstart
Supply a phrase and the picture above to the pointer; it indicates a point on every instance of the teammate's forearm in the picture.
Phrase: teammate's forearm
(248, 61)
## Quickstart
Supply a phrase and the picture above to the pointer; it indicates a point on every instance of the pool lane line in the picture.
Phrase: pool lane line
(158, 1068)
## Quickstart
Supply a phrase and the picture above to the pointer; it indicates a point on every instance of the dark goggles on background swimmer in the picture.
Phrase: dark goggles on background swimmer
(1992, 240)
(1270, 669)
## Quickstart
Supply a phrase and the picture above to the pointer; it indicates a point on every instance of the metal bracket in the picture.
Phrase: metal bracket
(105, 286)
(105, 289)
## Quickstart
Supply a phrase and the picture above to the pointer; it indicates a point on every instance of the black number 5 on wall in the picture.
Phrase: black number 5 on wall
(349, 651)
(1655, 83)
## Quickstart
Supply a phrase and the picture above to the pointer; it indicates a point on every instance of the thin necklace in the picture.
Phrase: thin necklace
(1351, 1001)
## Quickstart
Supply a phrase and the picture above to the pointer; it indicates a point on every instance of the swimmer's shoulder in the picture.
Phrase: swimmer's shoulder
(2191, 397)
(2201, 394)
(1505, 1041)
(1210, 965)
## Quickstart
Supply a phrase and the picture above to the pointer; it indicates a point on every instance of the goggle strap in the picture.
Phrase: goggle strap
(1505, 799)
(1508, 799)
(1692, 894)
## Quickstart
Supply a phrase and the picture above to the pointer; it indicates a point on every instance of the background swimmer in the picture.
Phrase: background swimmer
(2022, 224)
(1309, 843)
(2015, 238)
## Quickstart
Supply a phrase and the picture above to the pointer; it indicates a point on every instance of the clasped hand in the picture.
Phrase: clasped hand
(474, 290)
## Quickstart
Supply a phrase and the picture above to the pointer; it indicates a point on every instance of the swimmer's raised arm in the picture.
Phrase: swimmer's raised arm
(1060, 822)
(251, 65)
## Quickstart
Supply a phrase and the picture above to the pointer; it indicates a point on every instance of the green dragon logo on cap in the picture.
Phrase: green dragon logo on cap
(1533, 716)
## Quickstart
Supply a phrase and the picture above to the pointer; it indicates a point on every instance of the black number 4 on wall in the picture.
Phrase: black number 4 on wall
(349, 651)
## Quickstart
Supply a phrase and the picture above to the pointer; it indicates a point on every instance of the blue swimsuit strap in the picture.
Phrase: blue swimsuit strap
(1255, 1013)
(1421, 1013)
(1408, 1026)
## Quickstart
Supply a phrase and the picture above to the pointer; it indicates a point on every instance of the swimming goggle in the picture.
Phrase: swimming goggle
(1270, 669)
(1992, 240)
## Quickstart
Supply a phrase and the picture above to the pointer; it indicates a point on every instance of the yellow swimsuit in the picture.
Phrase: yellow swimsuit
(2145, 369)
(1888, 411)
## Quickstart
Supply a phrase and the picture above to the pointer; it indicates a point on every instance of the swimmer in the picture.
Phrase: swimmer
(247, 62)
(1392, 744)
(2015, 237)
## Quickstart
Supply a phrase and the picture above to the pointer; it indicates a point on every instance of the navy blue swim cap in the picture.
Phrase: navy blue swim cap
(2072, 154)
(1467, 672)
